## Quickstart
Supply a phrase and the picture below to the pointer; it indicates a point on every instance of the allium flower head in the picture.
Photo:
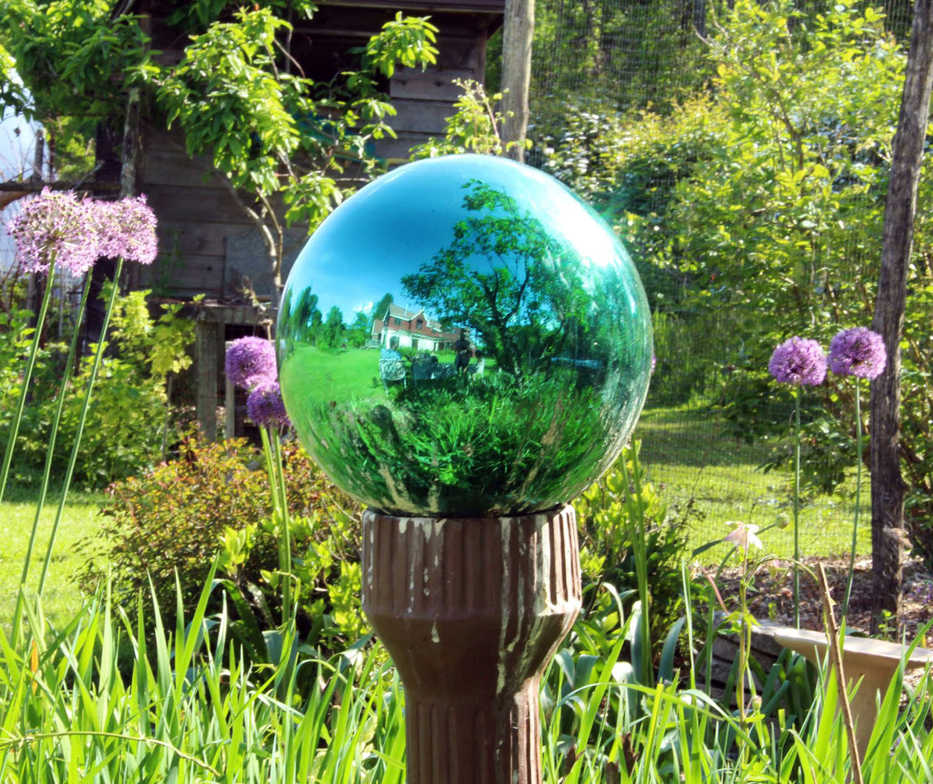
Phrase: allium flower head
(127, 230)
(55, 226)
(250, 361)
(857, 352)
(798, 361)
(264, 404)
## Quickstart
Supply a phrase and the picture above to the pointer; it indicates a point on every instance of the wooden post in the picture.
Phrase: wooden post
(207, 342)
(887, 485)
(516, 72)
(229, 402)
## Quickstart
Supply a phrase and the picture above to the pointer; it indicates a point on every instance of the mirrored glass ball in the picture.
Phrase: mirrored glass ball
(463, 337)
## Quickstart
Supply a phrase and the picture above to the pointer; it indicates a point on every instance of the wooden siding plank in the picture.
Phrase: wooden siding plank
(212, 205)
(184, 276)
(466, 53)
(430, 85)
(399, 150)
(450, 6)
(420, 116)
(162, 166)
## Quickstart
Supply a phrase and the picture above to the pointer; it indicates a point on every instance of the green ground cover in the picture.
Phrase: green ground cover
(355, 372)
(689, 455)
(61, 598)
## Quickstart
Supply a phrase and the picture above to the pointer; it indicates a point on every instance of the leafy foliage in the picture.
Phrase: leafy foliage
(606, 515)
(630, 54)
(70, 53)
(279, 138)
(129, 407)
(214, 500)
(403, 41)
(755, 213)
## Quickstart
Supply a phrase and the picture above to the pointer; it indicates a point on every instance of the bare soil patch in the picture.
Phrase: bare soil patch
(771, 596)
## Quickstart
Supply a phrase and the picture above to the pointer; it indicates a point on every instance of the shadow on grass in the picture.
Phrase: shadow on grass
(693, 437)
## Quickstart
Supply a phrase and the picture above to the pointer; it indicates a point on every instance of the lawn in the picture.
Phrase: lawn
(689, 455)
(61, 599)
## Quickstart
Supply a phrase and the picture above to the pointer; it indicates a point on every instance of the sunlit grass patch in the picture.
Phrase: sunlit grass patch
(61, 598)
(690, 456)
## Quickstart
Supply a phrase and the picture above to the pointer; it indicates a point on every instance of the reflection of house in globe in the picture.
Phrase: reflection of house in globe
(400, 328)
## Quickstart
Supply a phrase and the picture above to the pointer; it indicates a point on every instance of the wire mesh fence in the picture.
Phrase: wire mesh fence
(634, 55)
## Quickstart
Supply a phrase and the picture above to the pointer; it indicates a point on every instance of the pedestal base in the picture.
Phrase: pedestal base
(472, 610)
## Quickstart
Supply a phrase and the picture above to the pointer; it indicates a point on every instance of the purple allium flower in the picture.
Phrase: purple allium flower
(127, 230)
(857, 352)
(264, 404)
(798, 361)
(55, 226)
(250, 361)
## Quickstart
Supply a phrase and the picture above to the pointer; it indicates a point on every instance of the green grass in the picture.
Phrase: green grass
(689, 455)
(61, 599)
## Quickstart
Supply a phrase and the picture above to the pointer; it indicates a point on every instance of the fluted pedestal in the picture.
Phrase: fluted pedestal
(472, 609)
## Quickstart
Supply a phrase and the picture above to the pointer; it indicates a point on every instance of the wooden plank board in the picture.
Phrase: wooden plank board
(176, 204)
(161, 166)
(184, 276)
(205, 239)
(208, 353)
(421, 116)
(430, 85)
(462, 53)
(399, 150)
(452, 6)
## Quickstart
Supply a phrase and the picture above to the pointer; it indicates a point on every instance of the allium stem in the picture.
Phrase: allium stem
(82, 418)
(50, 450)
(858, 492)
(271, 447)
(797, 508)
(27, 377)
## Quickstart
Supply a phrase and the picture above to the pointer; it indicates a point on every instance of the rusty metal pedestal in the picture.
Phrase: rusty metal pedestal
(472, 610)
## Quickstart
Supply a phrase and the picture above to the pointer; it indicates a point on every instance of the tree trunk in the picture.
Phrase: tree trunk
(516, 73)
(887, 486)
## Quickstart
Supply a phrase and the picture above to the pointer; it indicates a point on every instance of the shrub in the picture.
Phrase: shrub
(607, 543)
(764, 201)
(214, 499)
(129, 415)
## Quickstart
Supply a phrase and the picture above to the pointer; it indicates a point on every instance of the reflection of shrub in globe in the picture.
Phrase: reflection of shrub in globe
(464, 337)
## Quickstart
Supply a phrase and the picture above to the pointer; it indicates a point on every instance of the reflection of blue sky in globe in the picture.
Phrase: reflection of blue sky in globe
(386, 243)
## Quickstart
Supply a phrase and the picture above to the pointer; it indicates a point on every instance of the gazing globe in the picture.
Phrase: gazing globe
(464, 337)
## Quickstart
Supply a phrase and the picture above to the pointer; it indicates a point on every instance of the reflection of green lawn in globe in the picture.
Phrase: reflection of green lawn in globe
(474, 445)
(352, 373)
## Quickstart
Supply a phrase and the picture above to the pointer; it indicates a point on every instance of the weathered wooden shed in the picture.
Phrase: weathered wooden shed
(208, 244)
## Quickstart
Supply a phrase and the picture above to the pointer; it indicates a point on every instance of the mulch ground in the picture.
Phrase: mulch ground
(772, 596)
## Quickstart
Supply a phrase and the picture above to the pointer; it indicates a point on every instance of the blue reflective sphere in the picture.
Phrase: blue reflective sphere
(464, 337)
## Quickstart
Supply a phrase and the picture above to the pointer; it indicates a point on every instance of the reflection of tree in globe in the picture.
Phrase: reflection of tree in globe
(506, 361)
